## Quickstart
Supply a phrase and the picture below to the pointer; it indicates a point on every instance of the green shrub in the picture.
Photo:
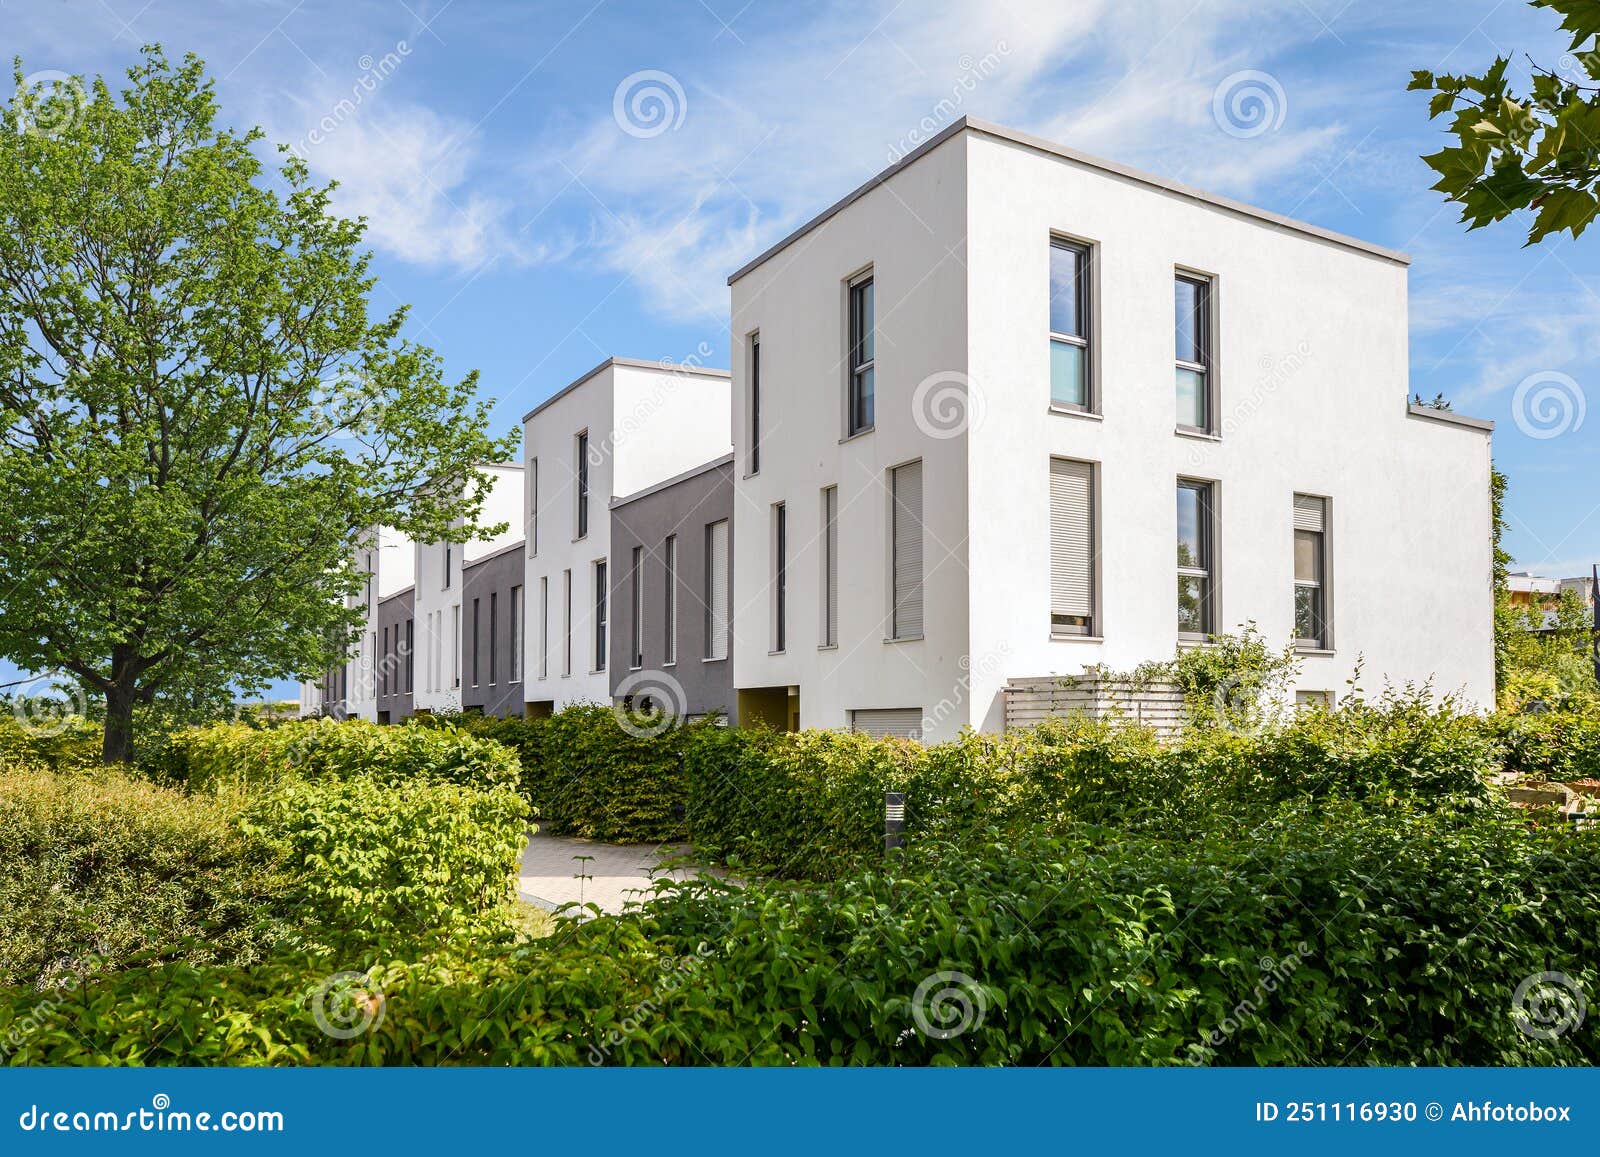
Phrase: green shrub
(65, 742)
(227, 753)
(98, 870)
(376, 860)
(1557, 745)
(1336, 938)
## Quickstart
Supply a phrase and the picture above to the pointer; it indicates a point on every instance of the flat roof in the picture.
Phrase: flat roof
(494, 554)
(1449, 418)
(635, 363)
(1039, 144)
(692, 472)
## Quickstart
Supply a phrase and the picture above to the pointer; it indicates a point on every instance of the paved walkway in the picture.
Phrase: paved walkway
(611, 876)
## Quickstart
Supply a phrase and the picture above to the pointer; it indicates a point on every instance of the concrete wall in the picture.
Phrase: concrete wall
(683, 508)
(396, 675)
(486, 624)
(439, 625)
(646, 422)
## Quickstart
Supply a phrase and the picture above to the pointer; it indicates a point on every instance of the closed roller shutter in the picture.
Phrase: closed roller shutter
(906, 483)
(1071, 538)
(1309, 513)
(905, 722)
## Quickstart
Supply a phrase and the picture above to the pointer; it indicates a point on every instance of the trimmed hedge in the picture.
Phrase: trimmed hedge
(98, 871)
(228, 753)
(1343, 937)
(1558, 745)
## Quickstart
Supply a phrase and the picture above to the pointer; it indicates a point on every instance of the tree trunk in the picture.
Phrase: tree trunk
(117, 746)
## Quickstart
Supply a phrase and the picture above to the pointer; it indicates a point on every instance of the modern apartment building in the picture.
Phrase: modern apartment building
(387, 560)
(620, 428)
(492, 613)
(672, 593)
(1008, 411)
(438, 597)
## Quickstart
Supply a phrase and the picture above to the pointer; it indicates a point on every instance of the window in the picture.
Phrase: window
(669, 608)
(455, 645)
(1311, 573)
(905, 722)
(1072, 548)
(533, 507)
(515, 675)
(383, 674)
(1192, 326)
(861, 357)
(449, 554)
(566, 600)
(544, 627)
(636, 628)
(1304, 700)
(372, 607)
(1069, 325)
(717, 593)
(600, 615)
(754, 455)
(905, 544)
(582, 471)
(476, 640)
(830, 566)
(411, 667)
(494, 631)
(1196, 535)
(780, 577)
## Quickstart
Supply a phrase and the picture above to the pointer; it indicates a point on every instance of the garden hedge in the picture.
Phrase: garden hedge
(1348, 936)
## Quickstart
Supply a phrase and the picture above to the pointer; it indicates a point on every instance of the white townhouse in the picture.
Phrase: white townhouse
(1008, 411)
(387, 559)
(437, 600)
(622, 427)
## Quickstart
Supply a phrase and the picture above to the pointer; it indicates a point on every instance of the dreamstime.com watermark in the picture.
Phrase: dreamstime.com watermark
(46, 705)
(972, 72)
(648, 103)
(44, 1011)
(1249, 103)
(1548, 1005)
(373, 73)
(947, 1005)
(1548, 404)
(159, 1117)
(676, 972)
(1273, 975)
(347, 1004)
(649, 703)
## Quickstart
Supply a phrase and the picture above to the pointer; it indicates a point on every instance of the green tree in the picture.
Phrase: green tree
(198, 418)
(1537, 150)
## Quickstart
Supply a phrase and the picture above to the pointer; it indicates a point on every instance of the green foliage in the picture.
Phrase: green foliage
(1550, 664)
(65, 742)
(1233, 681)
(98, 872)
(234, 753)
(201, 419)
(381, 859)
(1553, 745)
(1533, 150)
(1336, 938)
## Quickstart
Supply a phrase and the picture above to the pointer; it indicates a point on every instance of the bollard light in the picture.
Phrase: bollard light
(894, 820)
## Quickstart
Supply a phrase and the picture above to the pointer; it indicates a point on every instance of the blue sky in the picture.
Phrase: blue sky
(538, 218)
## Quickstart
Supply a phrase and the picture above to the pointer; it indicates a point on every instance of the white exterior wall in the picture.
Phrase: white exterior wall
(911, 234)
(1310, 363)
(437, 607)
(646, 423)
(389, 557)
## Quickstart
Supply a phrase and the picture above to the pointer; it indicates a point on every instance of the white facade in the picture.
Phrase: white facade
(1307, 372)
(642, 423)
(387, 558)
(437, 598)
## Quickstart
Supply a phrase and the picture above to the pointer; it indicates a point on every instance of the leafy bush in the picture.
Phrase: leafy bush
(1556, 745)
(98, 870)
(402, 860)
(68, 741)
(228, 753)
(1342, 937)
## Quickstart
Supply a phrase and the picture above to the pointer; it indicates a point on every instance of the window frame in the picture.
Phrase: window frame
(1323, 584)
(894, 634)
(580, 476)
(477, 638)
(1094, 630)
(753, 416)
(601, 632)
(669, 608)
(860, 405)
(1206, 339)
(828, 625)
(636, 628)
(1209, 534)
(533, 506)
(712, 576)
(1088, 320)
(518, 615)
(780, 578)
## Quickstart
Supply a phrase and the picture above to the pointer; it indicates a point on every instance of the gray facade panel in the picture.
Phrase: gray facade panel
(489, 649)
(683, 509)
(396, 673)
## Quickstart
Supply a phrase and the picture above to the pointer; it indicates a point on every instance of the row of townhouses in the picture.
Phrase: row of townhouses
(1005, 414)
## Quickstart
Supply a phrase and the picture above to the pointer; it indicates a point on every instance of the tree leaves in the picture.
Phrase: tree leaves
(1536, 156)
